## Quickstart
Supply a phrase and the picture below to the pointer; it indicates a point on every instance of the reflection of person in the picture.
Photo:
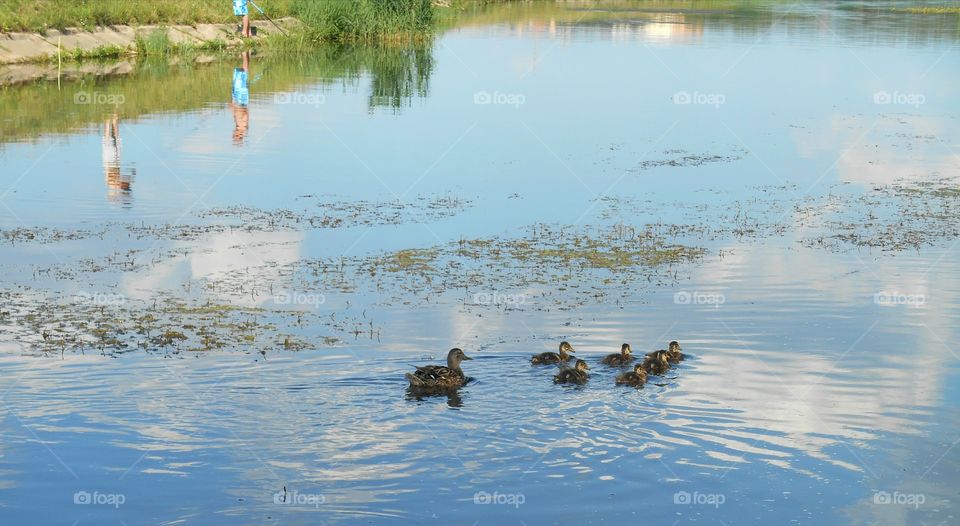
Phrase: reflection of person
(118, 185)
(240, 8)
(240, 95)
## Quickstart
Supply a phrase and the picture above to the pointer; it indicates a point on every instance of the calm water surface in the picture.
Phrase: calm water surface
(807, 398)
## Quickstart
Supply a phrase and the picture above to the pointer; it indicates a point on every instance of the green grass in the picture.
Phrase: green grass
(39, 15)
(158, 44)
(929, 10)
(99, 53)
(363, 19)
(155, 43)
(325, 19)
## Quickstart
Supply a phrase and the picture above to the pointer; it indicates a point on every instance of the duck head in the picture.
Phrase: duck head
(455, 356)
(582, 366)
(639, 370)
(625, 349)
(659, 357)
(565, 349)
(675, 347)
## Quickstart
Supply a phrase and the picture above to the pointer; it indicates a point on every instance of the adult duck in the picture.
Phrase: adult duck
(439, 377)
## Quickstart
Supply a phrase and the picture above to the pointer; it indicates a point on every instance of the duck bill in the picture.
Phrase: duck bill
(465, 357)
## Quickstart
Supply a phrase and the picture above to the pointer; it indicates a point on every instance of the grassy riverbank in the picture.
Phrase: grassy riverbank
(326, 19)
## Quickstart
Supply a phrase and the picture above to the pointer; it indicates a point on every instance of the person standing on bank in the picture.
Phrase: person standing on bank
(240, 8)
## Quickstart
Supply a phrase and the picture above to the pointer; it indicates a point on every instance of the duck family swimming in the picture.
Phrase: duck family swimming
(439, 378)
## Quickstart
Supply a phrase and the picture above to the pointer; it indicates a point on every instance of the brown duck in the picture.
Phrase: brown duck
(636, 378)
(572, 375)
(438, 377)
(657, 362)
(554, 357)
(673, 352)
(623, 357)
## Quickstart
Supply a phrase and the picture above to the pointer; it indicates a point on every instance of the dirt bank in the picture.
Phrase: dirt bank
(40, 47)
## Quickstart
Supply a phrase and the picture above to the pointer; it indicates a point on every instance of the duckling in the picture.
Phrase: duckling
(572, 375)
(438, 377)
(673, 353)
(621, 358)
(657, 362)
(636, 378)
(552, 357)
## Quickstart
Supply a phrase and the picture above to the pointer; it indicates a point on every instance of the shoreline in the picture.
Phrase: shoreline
(118, 41)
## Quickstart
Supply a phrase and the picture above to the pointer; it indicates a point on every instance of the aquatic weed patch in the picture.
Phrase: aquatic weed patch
(680, 158)
(893, 218)
(551, 261)
(316, 213)
(112, 324)
(250, 308)
(767, 214)
(907, 215)
(43, 235)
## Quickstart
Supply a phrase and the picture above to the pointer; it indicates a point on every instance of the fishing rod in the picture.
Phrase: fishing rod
(268, 18)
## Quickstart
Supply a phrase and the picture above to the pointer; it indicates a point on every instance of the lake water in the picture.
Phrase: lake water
(787, 172)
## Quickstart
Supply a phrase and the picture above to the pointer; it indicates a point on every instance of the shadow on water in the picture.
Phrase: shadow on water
(454, 400)
(129, 90)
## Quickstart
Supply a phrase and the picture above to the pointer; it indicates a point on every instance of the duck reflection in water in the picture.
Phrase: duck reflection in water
(119, 185)
(453, 396)
(240, 100)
